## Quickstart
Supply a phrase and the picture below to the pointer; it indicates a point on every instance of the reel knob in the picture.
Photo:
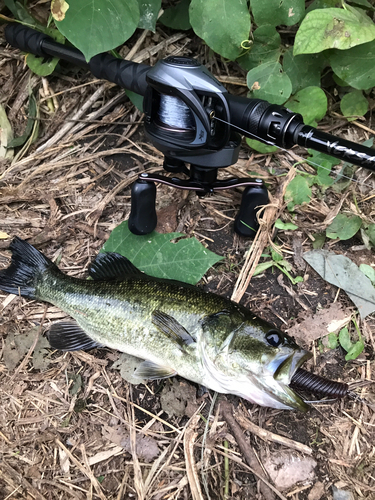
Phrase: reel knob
(246, 223)
(142, 218)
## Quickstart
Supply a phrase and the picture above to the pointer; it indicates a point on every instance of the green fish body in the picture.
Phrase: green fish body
(176, 328)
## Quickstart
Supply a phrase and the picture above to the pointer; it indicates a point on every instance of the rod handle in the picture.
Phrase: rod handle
(142, 219)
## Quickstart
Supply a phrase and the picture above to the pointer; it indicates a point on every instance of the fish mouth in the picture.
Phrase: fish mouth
(290, 365)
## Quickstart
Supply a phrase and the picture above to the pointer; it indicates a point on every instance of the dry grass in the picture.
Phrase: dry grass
(63, 428)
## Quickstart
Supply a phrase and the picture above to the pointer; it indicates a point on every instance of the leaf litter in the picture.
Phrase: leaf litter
(66, 194)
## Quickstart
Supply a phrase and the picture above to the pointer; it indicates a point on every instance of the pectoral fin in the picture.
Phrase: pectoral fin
(152, 371)
(68, 336)
(172, 329)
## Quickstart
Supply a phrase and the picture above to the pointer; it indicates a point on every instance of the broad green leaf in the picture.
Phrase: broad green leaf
(155, 254)
(311, 103)
(343, 273)
(177, 16)
(353, 105)
(355, 350)
(148, 10)
(355, 66)
(371, 233)
(344, 227)
(222, 24)
(368, 271)
(276, 256)
(323, 164)
(341, 29)
(260, 147)
(277, 12)
(297, 192)
(269, 82)
(21, 13)
(266, 48)
(285, 226)
(303, 70)
(333, 341)
(321, 4)
(95, 26)
(344, 338)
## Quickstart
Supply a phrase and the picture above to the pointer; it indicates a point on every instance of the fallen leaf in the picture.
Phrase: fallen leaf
(4, 236)
(324, 322)
(179, 399)
(343, 273)
(127, 365)
(58, 9)
(287, 469)
(6, 135)
(146, 446)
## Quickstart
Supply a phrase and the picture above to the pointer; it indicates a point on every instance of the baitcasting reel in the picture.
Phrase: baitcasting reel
(192, 119)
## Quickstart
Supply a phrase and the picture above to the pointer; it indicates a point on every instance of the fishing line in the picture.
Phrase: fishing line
(310, 162)
(175, 113)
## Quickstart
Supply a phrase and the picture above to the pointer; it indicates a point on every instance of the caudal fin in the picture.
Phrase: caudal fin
(25, 270)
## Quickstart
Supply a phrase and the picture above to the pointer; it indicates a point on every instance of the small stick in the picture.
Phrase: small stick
(247, 452)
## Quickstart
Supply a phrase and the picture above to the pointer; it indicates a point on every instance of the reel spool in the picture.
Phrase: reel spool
(175, 114)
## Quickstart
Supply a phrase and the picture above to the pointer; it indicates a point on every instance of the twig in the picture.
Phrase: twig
(247, 452)
(270, 436)
(191, 467)
(261, 239)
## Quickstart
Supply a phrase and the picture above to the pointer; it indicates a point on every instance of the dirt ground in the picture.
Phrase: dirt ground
(70, 425)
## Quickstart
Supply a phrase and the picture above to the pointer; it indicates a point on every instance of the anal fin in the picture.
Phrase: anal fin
(152, 371)
(68, 336)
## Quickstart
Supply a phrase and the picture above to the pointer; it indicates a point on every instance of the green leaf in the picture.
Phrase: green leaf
(177, 16)
(344, 338)
(371, 233)
(332, 341)
(95, 26)
(277, 12)
(269, 82)
(285, 226)
(276, 256)
(260, 268)
(355, 350)
(320, 239)
(148, 10)
(355, 66)
(321, 4)
(297, 192)
(323, 164)
(266, 48)
(45, 66)
(223, 24)
(260, 147)
(368, 271)
(343, 227)
(155, 254)
(136, 99)
(332, 28)
(353, 105)
(311, 103)
(303, 70)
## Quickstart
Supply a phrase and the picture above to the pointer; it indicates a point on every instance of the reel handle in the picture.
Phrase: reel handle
(142, 218)
(246, 222)
(126, 74)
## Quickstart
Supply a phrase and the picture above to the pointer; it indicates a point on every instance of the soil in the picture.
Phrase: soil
(56, 422)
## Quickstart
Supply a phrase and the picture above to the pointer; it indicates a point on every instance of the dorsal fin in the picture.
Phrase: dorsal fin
(112, 266)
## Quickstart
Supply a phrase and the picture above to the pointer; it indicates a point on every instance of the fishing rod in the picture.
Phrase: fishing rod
(191, 118)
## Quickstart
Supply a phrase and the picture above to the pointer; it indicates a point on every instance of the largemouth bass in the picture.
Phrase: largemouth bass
(175, 327)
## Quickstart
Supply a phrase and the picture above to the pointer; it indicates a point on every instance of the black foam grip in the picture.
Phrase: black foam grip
(126, 74)
(25, 39)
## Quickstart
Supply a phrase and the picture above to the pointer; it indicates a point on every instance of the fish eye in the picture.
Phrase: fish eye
(274, 338)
